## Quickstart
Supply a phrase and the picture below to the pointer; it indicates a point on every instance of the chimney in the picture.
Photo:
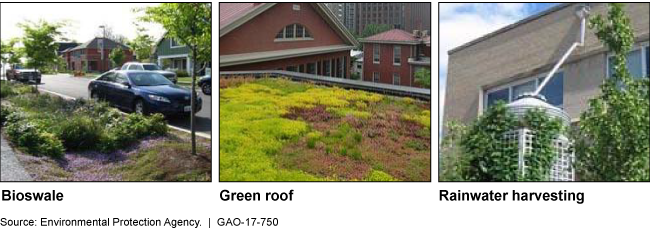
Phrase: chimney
(416, 33)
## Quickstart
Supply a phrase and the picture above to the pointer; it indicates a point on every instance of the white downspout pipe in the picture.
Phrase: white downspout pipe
(582, 13)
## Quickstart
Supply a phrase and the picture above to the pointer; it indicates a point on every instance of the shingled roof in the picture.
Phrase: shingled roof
(393, 36)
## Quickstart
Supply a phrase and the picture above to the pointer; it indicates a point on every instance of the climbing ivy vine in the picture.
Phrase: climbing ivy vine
(487, 156)
(613, 142)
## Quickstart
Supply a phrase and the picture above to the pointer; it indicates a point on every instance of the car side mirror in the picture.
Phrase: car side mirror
(126, 84)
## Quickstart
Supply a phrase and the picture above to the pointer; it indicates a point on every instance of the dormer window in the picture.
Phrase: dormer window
(173, 43)
(293, 32)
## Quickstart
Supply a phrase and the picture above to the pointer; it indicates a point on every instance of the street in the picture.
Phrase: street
(78, 88)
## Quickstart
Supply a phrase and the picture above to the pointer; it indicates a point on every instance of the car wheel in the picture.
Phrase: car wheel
(139, 107)
(207, 88)
(94, 95)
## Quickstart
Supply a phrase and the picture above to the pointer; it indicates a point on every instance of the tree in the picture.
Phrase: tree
(4, 49)
(423, 77)
(451, 160)
(142, 45)
(613, 142)
(116, 56)
(39, 41)
(372, 29)
(13, 54)
(191, 24)
(106, 31)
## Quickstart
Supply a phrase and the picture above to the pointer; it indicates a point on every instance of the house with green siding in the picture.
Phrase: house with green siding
(172, 55)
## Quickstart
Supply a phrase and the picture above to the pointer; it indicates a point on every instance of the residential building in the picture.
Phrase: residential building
(93, 55)
(300, 37)
(393, 57)
(405, 16)
(515, 59)
(170, 54)
(63, 46)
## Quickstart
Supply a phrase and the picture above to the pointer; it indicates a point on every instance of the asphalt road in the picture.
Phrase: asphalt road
(78, 88)
(10, 168)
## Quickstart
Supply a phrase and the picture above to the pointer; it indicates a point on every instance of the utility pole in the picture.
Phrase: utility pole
(101, 42)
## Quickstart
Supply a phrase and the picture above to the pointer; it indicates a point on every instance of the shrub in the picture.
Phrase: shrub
(5, 90)
(33, 140)
(5, 111)
(180, 73)
(134, 126)
(79, 133)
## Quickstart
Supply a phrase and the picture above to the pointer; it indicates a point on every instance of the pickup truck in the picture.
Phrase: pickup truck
(18, 73)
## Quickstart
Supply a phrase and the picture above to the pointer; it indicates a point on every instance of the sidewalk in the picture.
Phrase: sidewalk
(10, 168)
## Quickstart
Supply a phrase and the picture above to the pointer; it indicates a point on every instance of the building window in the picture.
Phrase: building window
(319, 68)
(301, 68)
(339, 69)
(375, 77)
(528, 87)
(300, 31)
(500, 95)
(327, 68)
(647, 62)
(553, 91)
(292, 68)
(293, 32)
(307, 35)
(311, 68)
(173, 43)
(397, 55)
(634, 63)
(289, 31)
(396, 78)
(375, 53)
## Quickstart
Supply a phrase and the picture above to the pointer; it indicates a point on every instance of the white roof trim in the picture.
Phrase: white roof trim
(391, 42)
(255, 57)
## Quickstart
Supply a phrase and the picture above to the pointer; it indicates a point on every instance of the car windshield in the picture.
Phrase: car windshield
(151, 67)
(149, 79)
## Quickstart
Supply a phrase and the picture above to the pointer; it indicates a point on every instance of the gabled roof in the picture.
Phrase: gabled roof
(109, 44)
(63, 46)
(228, 12)
(233, 15)
(395, 36)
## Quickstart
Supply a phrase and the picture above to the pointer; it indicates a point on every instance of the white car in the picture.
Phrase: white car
(134, 66)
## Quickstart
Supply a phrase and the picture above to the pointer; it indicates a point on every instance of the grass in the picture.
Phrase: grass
(187, 81)
(279, 130)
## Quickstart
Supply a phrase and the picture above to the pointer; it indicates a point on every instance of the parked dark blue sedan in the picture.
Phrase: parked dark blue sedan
(142, 92)
(206, 84)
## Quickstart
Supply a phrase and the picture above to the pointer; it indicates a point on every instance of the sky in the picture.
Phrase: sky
(84, 19)
(460, 23)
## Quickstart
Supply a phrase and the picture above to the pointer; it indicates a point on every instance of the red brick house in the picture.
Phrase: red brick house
(393, 57)
(301, 37)
(88, 56)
